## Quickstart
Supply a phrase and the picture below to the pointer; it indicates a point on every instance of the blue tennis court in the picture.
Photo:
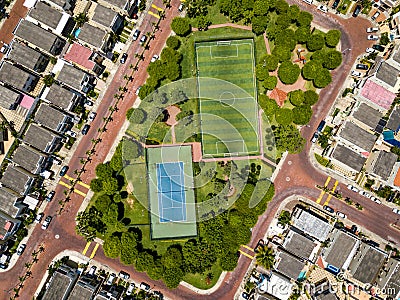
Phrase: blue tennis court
(171, 192)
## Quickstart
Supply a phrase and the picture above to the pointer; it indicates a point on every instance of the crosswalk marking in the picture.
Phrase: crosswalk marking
(153, 14)
(79, 182)
(86, 248)
(327, 181)
(245, 254)
(94, 250)
(320, 196)
(64, 184)
(328, 199)
(79, 193)
(248, 248)
(156, 7)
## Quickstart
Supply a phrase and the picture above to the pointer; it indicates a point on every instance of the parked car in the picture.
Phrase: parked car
(136, 34)
(46, 222)
(39, 217)
(154, 58)
(323, 8)
(370, 50)
(377, 201)
(335, 4)
(144, 286)
(314, 138)
(355, 189)
(159, 295)
(21, 249)
(64, 170)
(181, 6)
(138, 90)
(355, 73)
(85, 129)
(50, 196)
(367, 195)
(362, 67)
(372, 29)
(123, 275)
(88, 102)
(329, 209)
(71, 133)
(353, 229)
(130, 289)
(372, 37)
(341, 215)
(143, 39)
(357, 11)
(92, 271)
(245, 296)
(396, 211)
(362, 193)
(92, 115)
(110, 279)
(380, 48)
(308, 1)
(123, 58)
(375, 15)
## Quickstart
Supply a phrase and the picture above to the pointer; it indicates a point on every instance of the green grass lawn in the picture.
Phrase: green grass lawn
(344, 6)
(200, 280)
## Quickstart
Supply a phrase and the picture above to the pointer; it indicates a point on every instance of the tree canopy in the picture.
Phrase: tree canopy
(296, 97)
(332, 38)
(315, 42)
(270, 62)
(173, 42)
(323, 78)
(302, 114)
(288, 72)
(181, 26)
(310, 97)
(284, 116)
(288, 138)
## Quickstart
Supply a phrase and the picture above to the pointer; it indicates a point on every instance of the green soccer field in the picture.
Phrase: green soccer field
(227, 92)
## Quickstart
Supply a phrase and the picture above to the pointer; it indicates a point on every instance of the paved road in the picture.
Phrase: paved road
(302, 174)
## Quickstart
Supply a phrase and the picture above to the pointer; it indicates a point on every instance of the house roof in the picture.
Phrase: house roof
(71, 76)
(91, 35)
(299, 245)
(288, 265)
(39, 137)
(80, 55)
(60, 96)
(7, 201)
(387, 73)
(384, 164)
(394, 119)
(104, 15)
(8, 97)
(377, 94)
(46, 14)
(7, 224)
(60, 284)
(64, 4)
(358, 136)
(396, 54)
(15, 179)
(311, 224)
(367, 115)
(27, 158)
(36, 35)
(84, 288)
(367, 263)
(348, 157)
(117, 3)
(341, 250)
(390, 277)
(15, 76)
(24, 55)
(49, 116)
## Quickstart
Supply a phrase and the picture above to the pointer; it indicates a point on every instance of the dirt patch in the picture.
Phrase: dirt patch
(173, 111)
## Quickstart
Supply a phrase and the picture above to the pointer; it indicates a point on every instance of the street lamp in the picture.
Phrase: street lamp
(348, 49)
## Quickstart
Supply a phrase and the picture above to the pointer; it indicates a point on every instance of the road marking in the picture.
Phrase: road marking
(335, 186)
(330, 195)
(86, 248)
(156, 7)
(94, 250)
(320, 197)
(247, 255)
(78, 182)
(327, 181)
(69, 177)
(248, 248)
(64, 184)
(328, 199)
(79, 193)
(153, 14)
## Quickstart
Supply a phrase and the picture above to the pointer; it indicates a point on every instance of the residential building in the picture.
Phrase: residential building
(324, 291)
(48, 17)
(300, 245)
(9, 99)
(107, 18)
(95, 37)
(367, 115)
(27, 57)
(389, 278)
(276, 285)
(61, 97)
(17, 179)
(11, 203)
(42, 139)
(30, 159)
(311, 224)
(366, 263)
(394, 120)
(395, 23)
(376, 94)
(61, 283)
(341, 250)
(357, 138)
(345, 158)
(288, 265)
(109, 293)
(17, 78)
(85, 58)
(3, 138)
(39, 37)
(126, 7)
(8, 226)
(66, 5)
(382, 164)
(52, 118)
(387, 75)
(85, 288)
(75, 78)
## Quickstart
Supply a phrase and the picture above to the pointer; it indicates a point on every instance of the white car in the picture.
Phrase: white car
(396, 211)
(341, 215)
(92, 271)
(138, 90)
(154, 58)
(372, 37)
(323, 8)
(375, 15)
(130, 289)
(39, 217)
(355, 189)
(368, 195)
(350, 187)
(92, 115)
(362, 193)
(110, 279)
(370, 50)
(372, 29)
(71, 133)
(308, 1)
(355, 73)
(377, 201)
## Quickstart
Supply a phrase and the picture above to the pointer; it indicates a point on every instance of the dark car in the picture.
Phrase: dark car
(136, 34)
(123, 275)
(85, 129)
(64, 170)
(123, 58)
(380, 48)
(245, 295)
(357, 11)
(361, 67)
(21, 249)
(50, 196)
(159, 295)
(353, 229)
(335, 4)
(329, 209)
